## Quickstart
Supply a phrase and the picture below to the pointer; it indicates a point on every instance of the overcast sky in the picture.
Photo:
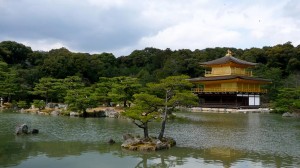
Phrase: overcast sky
(121, 26)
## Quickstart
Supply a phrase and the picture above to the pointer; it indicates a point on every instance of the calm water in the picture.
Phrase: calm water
(203, 140)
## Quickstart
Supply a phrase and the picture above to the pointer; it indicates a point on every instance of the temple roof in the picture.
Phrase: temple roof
(227, 77)
(226, 59)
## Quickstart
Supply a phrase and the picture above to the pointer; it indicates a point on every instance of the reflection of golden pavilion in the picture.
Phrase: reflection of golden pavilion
(226, 155)
(229, 83)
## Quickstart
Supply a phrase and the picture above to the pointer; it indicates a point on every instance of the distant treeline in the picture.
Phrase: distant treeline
(21, 68)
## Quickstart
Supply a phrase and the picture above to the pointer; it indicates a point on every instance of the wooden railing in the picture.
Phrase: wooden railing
(233, 72)
(228, 89)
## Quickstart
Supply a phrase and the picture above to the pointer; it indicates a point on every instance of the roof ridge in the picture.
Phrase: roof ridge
(228, 58)
(227, 77)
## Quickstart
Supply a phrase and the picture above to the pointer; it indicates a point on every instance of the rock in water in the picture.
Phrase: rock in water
(23, 129)
(127, 136)
(149, 144)
(55, 113)
(111, 141)
(74, 114)
(35, 131)
(287, 114)
(293, 114)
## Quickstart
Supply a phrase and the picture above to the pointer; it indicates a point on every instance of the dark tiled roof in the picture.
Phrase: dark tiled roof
(227, 59)
(228, 77)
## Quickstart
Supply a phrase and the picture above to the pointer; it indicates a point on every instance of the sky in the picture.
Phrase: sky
(122, 26)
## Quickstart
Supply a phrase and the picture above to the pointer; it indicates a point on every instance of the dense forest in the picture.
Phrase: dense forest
(29, 76)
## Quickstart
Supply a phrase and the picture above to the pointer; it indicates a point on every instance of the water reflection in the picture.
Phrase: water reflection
(204, 140)
(78, 154)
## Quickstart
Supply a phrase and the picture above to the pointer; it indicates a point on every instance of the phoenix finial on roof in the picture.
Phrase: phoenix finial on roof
(229, 53)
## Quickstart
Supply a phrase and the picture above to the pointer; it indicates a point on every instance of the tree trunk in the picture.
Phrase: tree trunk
(144, 126)
(163, 124)
(125, 103)
(84, 115)
(146, 133)
(46, 97)
(8, 98)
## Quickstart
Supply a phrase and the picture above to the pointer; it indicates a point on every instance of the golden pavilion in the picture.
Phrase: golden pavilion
(229, 83)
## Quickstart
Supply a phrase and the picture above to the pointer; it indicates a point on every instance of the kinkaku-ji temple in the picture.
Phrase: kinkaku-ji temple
(229, 83)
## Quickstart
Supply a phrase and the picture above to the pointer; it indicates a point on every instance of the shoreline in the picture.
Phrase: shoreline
(98, 112)
(228, 110)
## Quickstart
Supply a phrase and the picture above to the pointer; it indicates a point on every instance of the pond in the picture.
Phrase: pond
(203, 140)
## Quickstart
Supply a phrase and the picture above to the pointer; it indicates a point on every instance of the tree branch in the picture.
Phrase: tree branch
(139, 125)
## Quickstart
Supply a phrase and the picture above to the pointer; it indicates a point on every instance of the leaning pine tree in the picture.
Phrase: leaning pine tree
(175, 90)
(145, 110)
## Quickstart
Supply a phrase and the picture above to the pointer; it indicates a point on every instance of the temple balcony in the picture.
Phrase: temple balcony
(231, 72)
(229, 89)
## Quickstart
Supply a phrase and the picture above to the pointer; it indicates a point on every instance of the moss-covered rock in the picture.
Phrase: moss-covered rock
(149, 144)
(293, 114)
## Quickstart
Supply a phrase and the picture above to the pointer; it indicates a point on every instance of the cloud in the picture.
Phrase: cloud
(106, 4)
(78, 25)
(242, 25)
(191, 35)
(121, 26)
(44, 45)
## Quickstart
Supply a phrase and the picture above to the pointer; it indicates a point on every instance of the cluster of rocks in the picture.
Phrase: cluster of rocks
(111, 113)
(107, 112)
(48, 111)
(135, 143)
(288, 114)
(103, 112)
(24, 130)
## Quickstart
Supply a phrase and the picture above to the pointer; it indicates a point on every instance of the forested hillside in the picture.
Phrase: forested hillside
(27, 75)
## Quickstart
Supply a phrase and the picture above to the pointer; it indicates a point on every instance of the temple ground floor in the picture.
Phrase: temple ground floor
(229, 100)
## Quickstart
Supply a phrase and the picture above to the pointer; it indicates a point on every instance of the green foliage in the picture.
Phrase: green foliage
(293, 80)
(288, 100)
(22, 104)
(145, 77)
(72, 82)
(275, 75)
(166, 88)
(81, 99)
(296, 104)
(14, 53)
(123, 89)
(144, 111)
(280, 55)
(61, 63)
(69, 83)
(39, 104)
(108, 65)
(163, 96)
(47, 88)
(293, 65)
(145, 107)
(173, 90)
(254, 55)
(36, 58)
(9, 85)
(102, 89)
(184, 98)
(56, 89)
(21, 68)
